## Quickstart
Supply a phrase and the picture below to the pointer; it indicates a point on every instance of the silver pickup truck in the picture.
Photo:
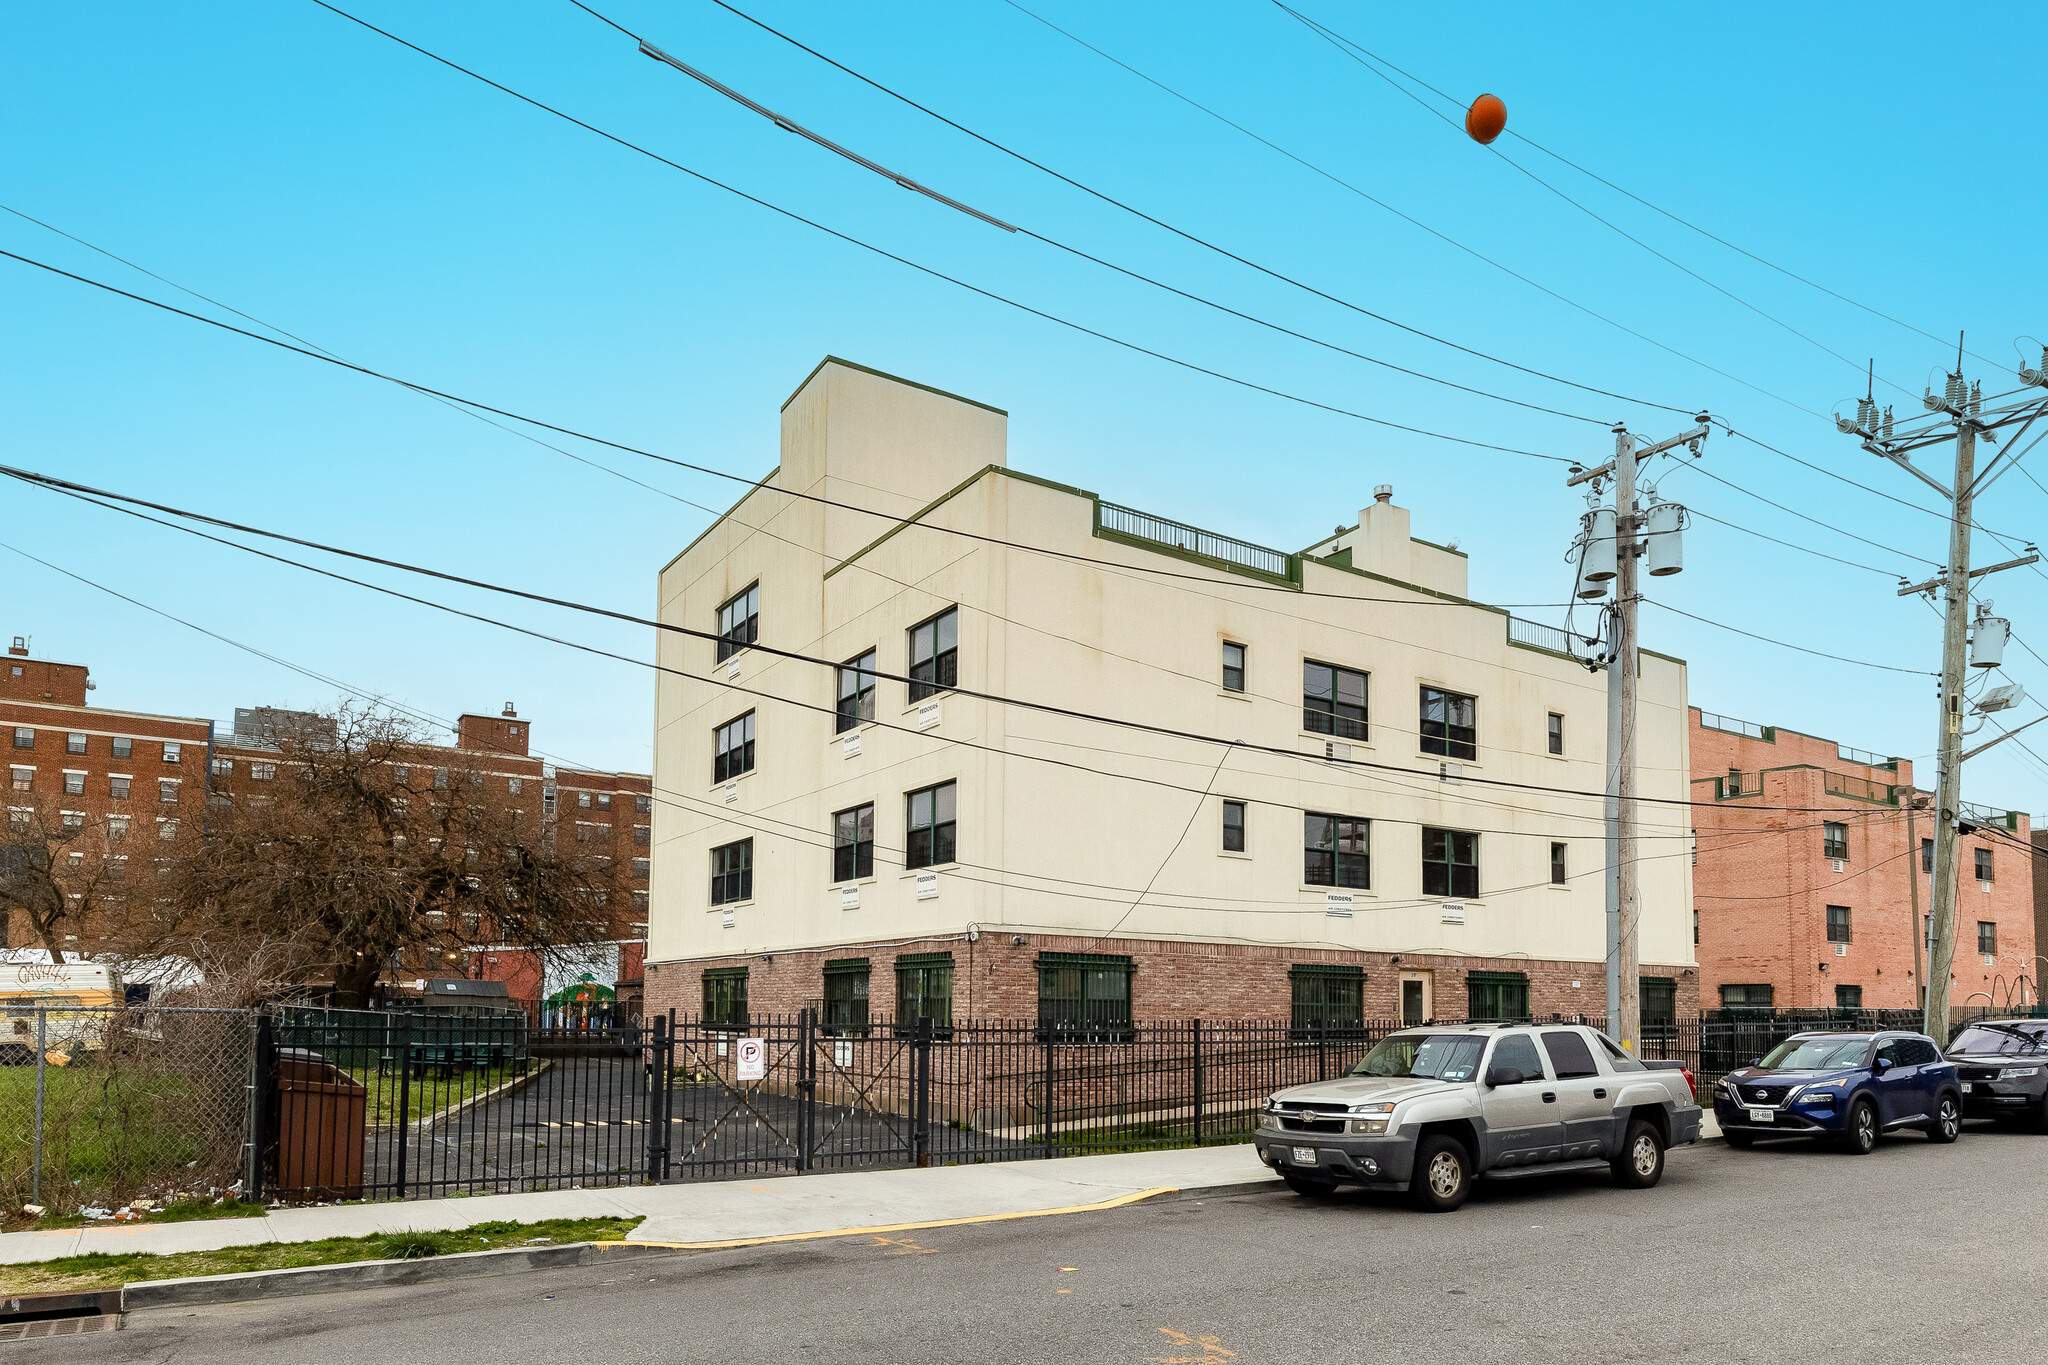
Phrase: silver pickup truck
(1431, 1109)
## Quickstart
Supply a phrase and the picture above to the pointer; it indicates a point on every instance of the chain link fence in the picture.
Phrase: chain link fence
(102, 1106)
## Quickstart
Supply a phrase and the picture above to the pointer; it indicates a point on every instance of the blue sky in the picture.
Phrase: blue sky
(317, 176)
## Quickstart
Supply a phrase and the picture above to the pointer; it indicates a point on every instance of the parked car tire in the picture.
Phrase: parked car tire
(1948, 1119)
(1443, 1174)
(1641, 1163)
(1314, 1189)
(1739, 1139)
(1859, 1134)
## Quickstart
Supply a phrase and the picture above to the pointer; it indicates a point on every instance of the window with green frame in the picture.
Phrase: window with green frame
(1658, 997)
(846, 995)
(1496, 995)
(1085, 997)
(725, 997)
(1328, 999)
(924, 988)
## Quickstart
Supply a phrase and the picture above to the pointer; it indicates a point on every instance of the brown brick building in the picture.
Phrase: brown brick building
(128, 778)
(1807, 855)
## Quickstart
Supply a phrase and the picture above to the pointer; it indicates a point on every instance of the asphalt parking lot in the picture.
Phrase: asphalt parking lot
(1787, 1251)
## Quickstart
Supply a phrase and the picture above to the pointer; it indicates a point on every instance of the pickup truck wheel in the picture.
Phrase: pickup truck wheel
(1641, 1163)
(1443, 1174)
(1948, 1120)
(1314, 1189)
(1859, 1134)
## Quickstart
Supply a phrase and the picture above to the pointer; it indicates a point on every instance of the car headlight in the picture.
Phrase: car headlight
(1368, 1127)
(1272, 1105)
(2013, 1073)
(1372, 1108)
(1817, 1096)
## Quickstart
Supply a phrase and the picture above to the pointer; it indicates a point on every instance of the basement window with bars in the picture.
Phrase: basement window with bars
(1748, 996)
(924, 990)
(1085, 997)
(846, 995)
(739, 622)
(1848, 997)
(1496, 995)
(725, 997)
(1333, 700)
(1657, 998)
(1450, 724)
(1328, 1000)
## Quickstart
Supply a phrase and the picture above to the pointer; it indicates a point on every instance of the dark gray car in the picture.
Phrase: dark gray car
(2003, 1067)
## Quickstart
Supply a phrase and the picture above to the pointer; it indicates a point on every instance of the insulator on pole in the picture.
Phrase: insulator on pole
(1665, 538)
(1600, 546)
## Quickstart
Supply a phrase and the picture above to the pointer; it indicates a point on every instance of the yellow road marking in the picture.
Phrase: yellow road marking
(1211, 1348)
(1115, 1203)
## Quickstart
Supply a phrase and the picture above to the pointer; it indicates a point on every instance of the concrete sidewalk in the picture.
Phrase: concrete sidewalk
(708, 1211)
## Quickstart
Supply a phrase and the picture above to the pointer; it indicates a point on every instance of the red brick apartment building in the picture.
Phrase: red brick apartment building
(130, 777)
(1803, 886)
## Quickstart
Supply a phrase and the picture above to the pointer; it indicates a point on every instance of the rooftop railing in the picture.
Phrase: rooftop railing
(1163, 531)
(1861, 788)
(1542, 637)
(1736, 727)
(1863, 756)
(1989, 815)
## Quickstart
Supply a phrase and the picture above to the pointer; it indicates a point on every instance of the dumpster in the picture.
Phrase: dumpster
(319, 1122)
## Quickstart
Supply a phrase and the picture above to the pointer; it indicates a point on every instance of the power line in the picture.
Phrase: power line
(1169, 227)
(1783, 644)
(928, 270)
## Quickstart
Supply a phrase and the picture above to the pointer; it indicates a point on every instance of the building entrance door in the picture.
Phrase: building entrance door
(1417, 997)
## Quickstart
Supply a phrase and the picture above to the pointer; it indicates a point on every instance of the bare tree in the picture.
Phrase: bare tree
(360, 850)
(65, 873)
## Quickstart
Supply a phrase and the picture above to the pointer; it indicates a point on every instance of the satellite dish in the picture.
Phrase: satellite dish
(1486, 118)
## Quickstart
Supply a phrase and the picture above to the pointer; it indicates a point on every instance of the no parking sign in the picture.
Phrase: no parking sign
(753, 1059)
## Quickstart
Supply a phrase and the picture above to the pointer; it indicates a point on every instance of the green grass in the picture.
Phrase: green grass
(432, 1093)
(110, 1133)
(100, 1270)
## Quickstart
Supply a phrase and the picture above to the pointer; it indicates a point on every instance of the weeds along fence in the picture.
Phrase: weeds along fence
(99, 1106)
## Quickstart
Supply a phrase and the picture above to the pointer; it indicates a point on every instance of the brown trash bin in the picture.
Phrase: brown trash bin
(320, 1128)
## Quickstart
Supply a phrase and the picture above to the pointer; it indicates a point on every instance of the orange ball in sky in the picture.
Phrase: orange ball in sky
(1486, 118)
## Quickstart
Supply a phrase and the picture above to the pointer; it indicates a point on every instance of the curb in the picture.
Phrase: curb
(326, 1279)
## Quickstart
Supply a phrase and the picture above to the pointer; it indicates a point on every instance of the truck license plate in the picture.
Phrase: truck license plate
(1760, 1116)
(1304, 1156)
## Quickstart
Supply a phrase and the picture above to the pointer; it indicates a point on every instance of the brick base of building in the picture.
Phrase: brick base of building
(995, 976)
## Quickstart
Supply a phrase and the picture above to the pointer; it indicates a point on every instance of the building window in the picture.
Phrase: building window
(604, 799)
(1556, 737)
(1987, 937)
(24, 737)
(167, 791)
(732, 872)
(74, 784)
(1496, 995)
(930, 823)
(642, 836)
(1983, 864)
(117, 869)
(74, 743)
(19, 818)
(583, 800)
(725, 997)
(1450, 863)
(1336, 851)
(1557, 874)
(640, 903)
(124, 747)
(853, 843)
(732, 751)
(642, 867)
(166, 830)
(172, 752)
(1848, 997)
(857, 691)
(222, 767)
(117, 828)
(739, 623)
(1084, 997)
(1927, 855)
(262, 772)
(1449, 724)
(1753, 996)
(515, 785)
(642, 804)
(935, 654)
(1657, 997)
(1233, 826)
(924, 988)
(117, 788)
(1233, 667)
(846, 995)
(1838, 924)
(401, 774)
(1326, 999)
(1834, 840)
(440, 779)
(73, 822)
(1332, 700)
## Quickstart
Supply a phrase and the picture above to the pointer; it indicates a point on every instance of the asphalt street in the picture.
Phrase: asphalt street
(1916, 1252)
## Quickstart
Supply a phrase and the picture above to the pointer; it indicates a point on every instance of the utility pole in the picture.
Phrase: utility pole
(1913, 803)
(1599, 563)
(1957, 414)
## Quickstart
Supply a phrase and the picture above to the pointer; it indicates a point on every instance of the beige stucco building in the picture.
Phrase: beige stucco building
(1186, 776)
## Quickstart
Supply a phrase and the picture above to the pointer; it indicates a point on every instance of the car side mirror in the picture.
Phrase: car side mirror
(1881, 1065)
(1756, 1061)
(1503, 1075)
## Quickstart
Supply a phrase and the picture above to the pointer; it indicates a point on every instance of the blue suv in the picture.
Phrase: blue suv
(1845, 1087)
